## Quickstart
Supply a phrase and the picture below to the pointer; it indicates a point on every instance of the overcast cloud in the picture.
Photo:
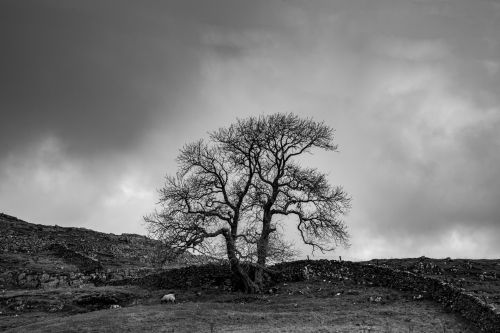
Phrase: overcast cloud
(96, 98)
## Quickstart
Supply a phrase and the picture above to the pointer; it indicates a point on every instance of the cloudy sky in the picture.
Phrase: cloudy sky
(96, 98)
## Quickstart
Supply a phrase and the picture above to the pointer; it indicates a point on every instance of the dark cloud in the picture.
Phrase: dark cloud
(93, 74)
(96, 97)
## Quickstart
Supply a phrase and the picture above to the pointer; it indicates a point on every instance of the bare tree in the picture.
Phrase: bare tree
(233, 187)
(282, 187)
(206, 200)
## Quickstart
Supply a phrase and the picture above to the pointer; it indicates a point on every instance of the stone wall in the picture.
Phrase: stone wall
(483, 315)
(213, 275)
(34, 279)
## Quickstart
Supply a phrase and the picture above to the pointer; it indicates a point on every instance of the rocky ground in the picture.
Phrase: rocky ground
(41, 256)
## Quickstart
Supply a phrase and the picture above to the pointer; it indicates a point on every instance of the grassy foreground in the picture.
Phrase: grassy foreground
(296, 307)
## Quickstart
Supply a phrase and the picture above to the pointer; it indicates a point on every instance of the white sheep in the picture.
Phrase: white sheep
(168, 298)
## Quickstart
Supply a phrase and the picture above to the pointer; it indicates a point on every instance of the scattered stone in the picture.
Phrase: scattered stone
(274, 290)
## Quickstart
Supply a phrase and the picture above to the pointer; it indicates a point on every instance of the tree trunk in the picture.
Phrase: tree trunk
(240, 279)
(263, 243)
(262, 249)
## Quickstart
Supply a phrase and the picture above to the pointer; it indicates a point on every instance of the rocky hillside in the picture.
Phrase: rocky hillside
(34, 255)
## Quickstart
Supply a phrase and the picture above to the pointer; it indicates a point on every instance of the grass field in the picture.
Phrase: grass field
(296, 307)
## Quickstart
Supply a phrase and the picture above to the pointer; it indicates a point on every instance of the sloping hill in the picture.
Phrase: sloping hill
(111, 250)
(35, 255)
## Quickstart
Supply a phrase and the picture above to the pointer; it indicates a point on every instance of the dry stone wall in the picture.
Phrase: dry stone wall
(212, 275)
(483, 315)
(34, 279)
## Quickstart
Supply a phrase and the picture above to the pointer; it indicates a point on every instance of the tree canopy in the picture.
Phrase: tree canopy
(233, 187)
